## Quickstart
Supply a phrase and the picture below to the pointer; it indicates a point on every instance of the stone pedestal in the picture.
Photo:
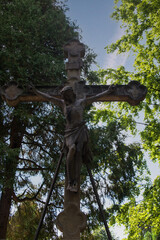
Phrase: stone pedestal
(71, 221)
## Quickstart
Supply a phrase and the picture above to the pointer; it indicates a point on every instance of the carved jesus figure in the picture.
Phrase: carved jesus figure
(76, 133)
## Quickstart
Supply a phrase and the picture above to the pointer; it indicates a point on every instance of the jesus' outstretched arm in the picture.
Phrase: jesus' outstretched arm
(95, 98)
(56, 101)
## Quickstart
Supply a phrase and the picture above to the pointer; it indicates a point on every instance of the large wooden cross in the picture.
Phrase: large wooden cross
(72, 221)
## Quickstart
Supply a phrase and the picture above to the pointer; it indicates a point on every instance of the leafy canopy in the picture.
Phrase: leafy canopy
(32, 37)
(143, 219)
(141, 23)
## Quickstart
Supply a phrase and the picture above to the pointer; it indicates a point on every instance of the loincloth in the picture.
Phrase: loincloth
(76, 134)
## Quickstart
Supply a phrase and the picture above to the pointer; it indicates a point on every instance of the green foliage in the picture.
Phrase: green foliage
(142, 220)
(142, 35)
(118, 172)
(23, 224)
(140, 20)
(32, 37)
(99, 234)
(141, 23)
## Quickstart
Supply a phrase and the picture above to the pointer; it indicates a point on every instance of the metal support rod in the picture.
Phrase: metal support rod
(49, 195)
(99, 203)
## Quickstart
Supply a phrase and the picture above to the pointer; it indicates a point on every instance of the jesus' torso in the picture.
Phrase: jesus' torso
(74, 113)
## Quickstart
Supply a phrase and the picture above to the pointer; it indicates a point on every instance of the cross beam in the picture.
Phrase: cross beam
(133, 93)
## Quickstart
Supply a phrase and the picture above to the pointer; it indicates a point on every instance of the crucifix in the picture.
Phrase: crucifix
(72, 98)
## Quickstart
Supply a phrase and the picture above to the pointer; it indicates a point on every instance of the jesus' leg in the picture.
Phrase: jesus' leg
(70, 165)
(77, 167)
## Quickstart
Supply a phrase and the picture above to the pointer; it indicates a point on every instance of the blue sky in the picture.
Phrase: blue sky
(97, 28)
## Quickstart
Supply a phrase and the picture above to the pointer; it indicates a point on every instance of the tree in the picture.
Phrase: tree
(142, 220)
(118, 172)
(100, 234)
(140, 21)
(24, 222)
(32, 37)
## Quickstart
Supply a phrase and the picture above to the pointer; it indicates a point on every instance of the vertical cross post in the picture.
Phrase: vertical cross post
(72, 221)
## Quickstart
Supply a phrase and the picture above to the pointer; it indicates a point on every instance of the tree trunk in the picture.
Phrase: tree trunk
(5, 205)
(16, 135)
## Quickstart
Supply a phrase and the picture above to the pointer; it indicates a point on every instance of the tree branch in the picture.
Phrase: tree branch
(31, 161)
(49, 204)
(18, 199)
(39, 145)
(32, 169)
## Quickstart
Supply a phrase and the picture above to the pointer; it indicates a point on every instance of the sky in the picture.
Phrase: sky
(97, 28)
(97, 31)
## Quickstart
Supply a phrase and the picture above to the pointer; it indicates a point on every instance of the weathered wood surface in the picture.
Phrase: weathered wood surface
(133, 93)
